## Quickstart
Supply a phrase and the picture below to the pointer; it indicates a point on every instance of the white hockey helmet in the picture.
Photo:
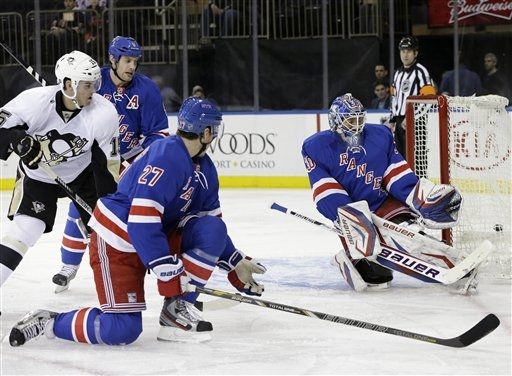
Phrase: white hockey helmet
(77, 66)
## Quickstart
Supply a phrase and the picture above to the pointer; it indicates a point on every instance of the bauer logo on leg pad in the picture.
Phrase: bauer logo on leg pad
(417, 268)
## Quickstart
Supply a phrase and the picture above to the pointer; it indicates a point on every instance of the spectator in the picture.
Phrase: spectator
(219, 14)
(84, 4)
(469, 82)
(381, 73)
(411, 78)
(67, 30)
(172, 100)
(197, 91)
(383, 99)
(493, 81)
(94, 23)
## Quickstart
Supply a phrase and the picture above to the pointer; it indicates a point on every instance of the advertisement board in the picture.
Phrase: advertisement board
(441, 13)
(256, 150)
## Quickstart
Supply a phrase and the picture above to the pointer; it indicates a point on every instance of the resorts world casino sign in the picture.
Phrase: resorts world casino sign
(441, 13)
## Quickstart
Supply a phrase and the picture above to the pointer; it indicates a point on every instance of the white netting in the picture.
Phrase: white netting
(479, 155)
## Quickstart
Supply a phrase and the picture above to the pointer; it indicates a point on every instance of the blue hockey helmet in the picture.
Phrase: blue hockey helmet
(347, 116)
(196, 114)
(124, 46)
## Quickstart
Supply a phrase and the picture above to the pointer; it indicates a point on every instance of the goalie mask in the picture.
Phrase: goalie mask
(347, 117)
(77, 67)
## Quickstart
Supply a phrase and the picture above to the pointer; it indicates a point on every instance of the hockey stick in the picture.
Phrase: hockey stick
(396, 259)
(215, 305)
(71, 194)
(24, 64)
(477, 332)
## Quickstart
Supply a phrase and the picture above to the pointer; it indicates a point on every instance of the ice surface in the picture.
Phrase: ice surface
(252, 340)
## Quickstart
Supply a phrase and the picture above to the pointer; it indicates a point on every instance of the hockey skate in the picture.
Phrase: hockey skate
(31, 326)
(64, 277)
(180, 321)
(364, 274)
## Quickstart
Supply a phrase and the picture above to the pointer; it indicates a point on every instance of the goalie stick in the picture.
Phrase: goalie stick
(396, 259)
(477, 332)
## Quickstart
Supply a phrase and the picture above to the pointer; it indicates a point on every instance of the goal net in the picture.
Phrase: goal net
(466, 142)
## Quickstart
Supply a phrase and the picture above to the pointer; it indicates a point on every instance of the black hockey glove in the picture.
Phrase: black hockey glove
(29, 151)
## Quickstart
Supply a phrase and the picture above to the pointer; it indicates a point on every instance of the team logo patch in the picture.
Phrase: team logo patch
(132, 297)
(309, 163)
(58, 148)
(38, 206)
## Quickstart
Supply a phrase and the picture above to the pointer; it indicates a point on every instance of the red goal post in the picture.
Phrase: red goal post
(465, 141)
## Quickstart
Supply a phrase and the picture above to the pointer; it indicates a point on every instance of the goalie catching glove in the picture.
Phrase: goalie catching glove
(240, 270)
(436, 205)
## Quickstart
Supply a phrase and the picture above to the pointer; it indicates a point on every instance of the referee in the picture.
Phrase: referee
(411, 78)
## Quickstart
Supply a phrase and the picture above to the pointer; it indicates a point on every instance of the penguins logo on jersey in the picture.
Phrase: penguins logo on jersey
(59, 148)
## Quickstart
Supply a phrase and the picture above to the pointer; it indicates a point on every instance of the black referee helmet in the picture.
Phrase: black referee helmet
(408, 43)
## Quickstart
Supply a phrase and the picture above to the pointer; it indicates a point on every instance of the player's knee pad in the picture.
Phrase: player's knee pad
(24, 229)
(207, 233)
(120, 328)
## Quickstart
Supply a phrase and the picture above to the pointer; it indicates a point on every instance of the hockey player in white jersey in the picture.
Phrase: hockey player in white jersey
(72, 130)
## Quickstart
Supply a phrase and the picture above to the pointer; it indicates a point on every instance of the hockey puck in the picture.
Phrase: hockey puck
(498, 227)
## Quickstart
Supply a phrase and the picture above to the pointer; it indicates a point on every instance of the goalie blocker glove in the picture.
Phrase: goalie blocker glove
(240, 270)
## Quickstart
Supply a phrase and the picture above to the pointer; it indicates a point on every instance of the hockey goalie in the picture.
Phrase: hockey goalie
(380, 207)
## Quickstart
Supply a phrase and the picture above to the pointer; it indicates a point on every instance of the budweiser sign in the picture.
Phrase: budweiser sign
(470, 12)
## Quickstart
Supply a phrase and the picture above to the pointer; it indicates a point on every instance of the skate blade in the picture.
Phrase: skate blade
(378, 287)
(59, 289)
(172, 334)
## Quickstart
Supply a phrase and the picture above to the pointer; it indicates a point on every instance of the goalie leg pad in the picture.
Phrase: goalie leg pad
(356, 226)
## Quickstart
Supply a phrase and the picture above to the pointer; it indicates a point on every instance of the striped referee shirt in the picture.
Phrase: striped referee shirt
(408, 81)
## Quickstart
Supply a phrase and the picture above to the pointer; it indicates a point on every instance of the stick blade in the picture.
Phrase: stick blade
(469, 263)
(479, 331)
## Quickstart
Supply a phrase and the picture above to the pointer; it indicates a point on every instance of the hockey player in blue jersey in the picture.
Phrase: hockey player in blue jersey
(165, 217)
(354, 170)
(142, 120)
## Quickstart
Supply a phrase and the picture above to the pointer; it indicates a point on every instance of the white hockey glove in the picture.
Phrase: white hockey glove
(356, 226)
(172, 278)
(240, 270)
(437, 205)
